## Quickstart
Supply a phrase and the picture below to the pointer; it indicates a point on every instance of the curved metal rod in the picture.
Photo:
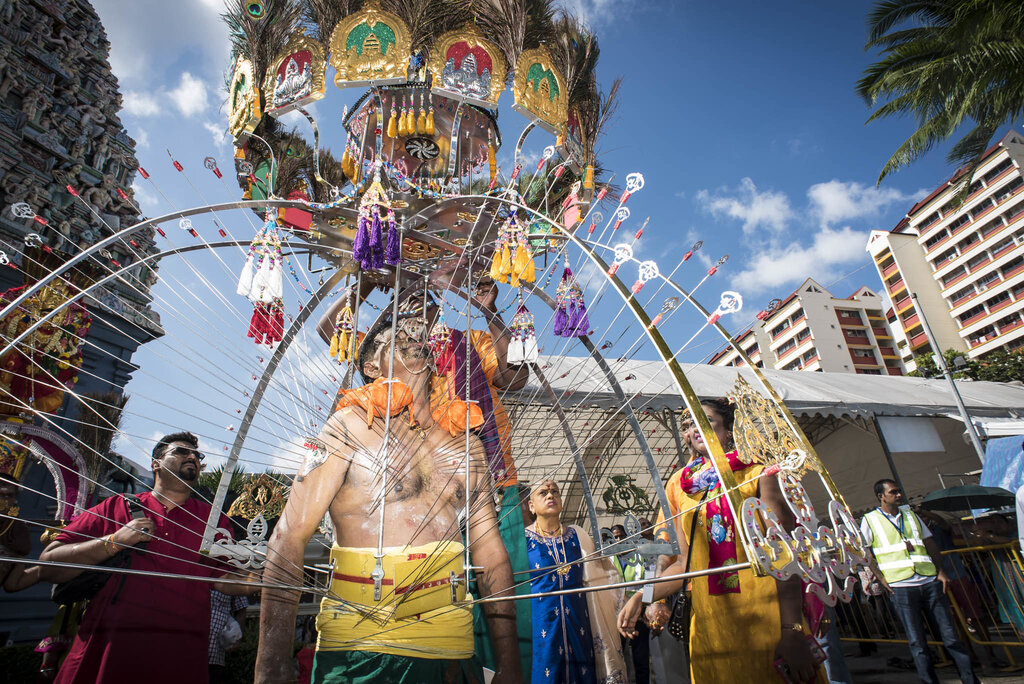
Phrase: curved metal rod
(254, 403)
(519, 145)
(454, 139)
(106, 279)
(118, 236)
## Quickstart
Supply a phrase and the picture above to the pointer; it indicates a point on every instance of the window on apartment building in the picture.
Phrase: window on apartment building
(987, 280)
(975, 186)
(935, 239)
(1001, 245)
(971, 313)
(932, 219)
(792, 365)
(869, 371)
(808, 355)
(983, 335)
(1007, 321)
(958, 222)
(864, 353)
(786, 347)
(998, 299)
(961, 295)
(999, 168)
(803, 334)
(1011, 264)
(777, 330)
(752, 349)
(796, 314)
(969, 241)
(941, 259)
(992, 227)
(1010, 188)
(856, 332)
(977, 260)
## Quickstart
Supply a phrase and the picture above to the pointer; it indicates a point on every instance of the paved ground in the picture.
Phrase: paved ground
(874, 670)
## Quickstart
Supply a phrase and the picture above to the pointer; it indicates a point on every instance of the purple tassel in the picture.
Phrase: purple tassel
(376, 250)
(561, 322)
(361, 243)
(391, 253)
(582, 326)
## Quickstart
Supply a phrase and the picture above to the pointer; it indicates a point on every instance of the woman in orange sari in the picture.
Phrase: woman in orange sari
(741, 625)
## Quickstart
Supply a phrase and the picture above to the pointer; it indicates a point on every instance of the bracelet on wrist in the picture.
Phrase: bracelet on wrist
(109, 545)
(794, 626)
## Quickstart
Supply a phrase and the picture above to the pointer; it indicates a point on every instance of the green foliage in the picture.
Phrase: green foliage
(946, 63)
(998, 366)
(211, 479)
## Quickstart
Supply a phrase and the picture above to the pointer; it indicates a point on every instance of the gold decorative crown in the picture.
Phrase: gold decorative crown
(763, 435)
(261, 495)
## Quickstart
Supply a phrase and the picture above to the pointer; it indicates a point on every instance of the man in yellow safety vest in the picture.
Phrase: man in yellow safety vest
(907, 563)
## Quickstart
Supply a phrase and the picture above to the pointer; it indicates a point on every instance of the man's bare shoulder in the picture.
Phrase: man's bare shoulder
(347, 428)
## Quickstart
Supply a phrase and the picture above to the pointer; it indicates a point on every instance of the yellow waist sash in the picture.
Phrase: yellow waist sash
(415, 616)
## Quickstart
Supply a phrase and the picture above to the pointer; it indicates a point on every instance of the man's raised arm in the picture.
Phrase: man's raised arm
(307, 503)
(488, 551)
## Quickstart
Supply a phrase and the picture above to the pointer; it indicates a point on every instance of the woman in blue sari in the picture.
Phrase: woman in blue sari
(574, 641)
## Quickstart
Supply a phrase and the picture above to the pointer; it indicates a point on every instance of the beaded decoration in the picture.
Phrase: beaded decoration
(513, 258)
(341, 341)
(440, 341)
(570, 310)
(369, 248)
(262, 282)
(523, 346)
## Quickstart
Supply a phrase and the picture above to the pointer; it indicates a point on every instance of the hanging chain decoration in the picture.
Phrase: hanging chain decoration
(262, 282)
(570, 310)
(523, 346)
(344, 329)
(375, 211)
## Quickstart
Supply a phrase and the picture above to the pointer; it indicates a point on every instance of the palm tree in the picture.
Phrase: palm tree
(947, 63)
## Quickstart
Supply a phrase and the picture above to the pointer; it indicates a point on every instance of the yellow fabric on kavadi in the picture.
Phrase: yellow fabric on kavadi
(415, 616)
(732, 635)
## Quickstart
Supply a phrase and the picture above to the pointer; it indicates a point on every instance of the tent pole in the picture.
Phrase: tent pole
(888, 454)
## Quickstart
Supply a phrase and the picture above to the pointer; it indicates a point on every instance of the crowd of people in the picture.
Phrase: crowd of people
(401, 604)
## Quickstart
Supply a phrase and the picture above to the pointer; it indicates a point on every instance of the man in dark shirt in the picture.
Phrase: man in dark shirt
(134, 617)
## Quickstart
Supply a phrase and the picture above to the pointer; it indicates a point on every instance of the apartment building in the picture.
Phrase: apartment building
(965, 262)
(813, 330)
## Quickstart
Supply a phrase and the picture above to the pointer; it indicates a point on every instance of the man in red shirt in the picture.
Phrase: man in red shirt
(135, 617)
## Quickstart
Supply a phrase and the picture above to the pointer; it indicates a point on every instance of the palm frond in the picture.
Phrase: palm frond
(323, 15)
(99, 417)
(946, 63)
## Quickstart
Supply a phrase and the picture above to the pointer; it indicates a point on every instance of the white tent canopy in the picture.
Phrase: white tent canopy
(836, 410)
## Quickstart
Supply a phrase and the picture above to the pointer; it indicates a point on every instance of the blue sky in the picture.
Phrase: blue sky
(741, 116)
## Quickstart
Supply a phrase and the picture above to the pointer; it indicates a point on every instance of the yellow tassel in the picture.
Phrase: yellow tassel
(421, 122)
(506, 264)
(495, 272)
(410, 122)
(401, 124)
(344, 345)
(514, 279)
(492, 163)
(528, 274)
(334, 345)
(393, 124)
(430, 122)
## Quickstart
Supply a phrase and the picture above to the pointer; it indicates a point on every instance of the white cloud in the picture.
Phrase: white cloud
(146, 199)
(141, 137)
(781, 264)
(596, 13)
(756, 209)
(835, 200)
(190, 97)
(218, 131)
(146, 39)
(140, 104)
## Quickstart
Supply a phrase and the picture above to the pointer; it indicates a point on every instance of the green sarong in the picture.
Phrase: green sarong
(513, 533)
(364, 667)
